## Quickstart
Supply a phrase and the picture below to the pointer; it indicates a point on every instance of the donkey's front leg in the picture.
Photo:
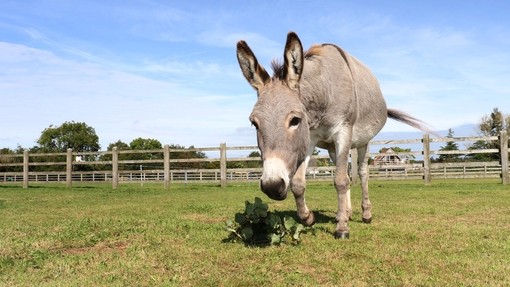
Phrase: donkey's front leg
(298, 186)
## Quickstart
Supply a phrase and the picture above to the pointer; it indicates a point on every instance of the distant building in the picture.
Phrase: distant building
(390, 157)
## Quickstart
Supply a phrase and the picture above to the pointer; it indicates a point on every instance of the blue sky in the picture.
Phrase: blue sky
(167, 69)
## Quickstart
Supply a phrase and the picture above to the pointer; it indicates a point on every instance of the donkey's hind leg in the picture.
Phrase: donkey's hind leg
(366, 206)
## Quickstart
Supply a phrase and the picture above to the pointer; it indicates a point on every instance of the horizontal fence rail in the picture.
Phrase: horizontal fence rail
(161, 165)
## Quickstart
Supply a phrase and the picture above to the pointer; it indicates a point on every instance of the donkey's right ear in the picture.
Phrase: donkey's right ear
(254, 73)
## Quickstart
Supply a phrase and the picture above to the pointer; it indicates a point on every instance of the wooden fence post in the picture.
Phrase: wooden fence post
(69, 167)
(115, 167)
(166, 166)
(503, 144)
(354, 166)
(25, 169)
(223, 165)
(426, 159)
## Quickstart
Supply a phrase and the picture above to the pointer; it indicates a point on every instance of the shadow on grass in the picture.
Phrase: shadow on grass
(320, 216)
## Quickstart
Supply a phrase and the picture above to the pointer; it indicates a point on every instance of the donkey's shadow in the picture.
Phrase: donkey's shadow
(322, 219)
(321, 216)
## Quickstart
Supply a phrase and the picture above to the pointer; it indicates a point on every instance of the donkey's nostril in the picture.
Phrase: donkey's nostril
(275, 189)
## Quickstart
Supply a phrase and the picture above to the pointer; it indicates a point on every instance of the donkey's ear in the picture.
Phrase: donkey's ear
(252, 71)
(293, 60)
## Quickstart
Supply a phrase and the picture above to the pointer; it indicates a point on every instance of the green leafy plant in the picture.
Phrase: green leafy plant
(258, 226)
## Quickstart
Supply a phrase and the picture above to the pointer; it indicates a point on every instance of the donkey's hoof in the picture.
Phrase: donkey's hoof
(367, 220)
(308, 221)
(341, 235)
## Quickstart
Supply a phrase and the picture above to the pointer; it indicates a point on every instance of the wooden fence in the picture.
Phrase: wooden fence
(110, 171)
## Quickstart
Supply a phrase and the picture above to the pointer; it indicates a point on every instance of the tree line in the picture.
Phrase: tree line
(490, 125)
(81, 137)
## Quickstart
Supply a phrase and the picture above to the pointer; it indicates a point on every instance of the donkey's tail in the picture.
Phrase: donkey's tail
(410, 120)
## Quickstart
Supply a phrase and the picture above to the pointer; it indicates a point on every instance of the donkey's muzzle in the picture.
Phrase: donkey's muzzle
(275, 189)
(275, 179)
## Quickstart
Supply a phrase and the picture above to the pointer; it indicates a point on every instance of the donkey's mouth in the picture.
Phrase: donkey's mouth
(274, 189)
(275, 179)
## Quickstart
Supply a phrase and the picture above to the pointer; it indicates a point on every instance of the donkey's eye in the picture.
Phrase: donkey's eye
(294, 122)
(254, 123)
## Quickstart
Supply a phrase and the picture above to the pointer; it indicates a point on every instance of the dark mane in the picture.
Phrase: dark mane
(279, 69)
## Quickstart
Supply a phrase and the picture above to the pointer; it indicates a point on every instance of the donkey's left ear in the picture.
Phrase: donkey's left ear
(293, 60)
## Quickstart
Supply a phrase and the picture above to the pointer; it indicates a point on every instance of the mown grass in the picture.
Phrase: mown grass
(452, 233)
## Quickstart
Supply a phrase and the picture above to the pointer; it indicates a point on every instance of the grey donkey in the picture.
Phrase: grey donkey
(323, 98)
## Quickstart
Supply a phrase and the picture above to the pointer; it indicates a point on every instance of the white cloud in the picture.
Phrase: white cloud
(262, 46)
(157, 22)
(168, 70)
(14, 53)
(37, 35)
(447, 77)
(50, 90)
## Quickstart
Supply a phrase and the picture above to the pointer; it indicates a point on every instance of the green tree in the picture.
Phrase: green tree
(254, 164)
(145, 144)
(187, 155)
(254, 154)
(493, 124)
(120, 146)
(77, 136)
(490, 125)
(10, 160)
(450, 146)
(316, 162)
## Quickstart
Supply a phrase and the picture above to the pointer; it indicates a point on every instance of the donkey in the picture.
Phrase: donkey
(323, 98)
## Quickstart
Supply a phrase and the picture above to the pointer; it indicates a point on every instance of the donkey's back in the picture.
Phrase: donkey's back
(339, 90)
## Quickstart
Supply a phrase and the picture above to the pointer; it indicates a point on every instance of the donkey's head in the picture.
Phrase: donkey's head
(279, 116)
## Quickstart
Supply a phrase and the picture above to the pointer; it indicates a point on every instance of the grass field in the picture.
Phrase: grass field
(452, 233)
